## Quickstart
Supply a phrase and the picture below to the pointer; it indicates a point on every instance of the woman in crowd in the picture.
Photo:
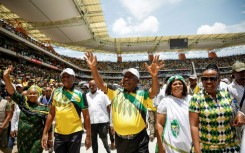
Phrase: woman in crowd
(213, 115)
(32, 116)
(173, 116)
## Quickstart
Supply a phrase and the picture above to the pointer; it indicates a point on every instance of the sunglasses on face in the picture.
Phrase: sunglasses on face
(212, 79)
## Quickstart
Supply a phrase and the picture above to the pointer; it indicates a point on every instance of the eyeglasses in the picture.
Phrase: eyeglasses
(48, 91)
(212, 79)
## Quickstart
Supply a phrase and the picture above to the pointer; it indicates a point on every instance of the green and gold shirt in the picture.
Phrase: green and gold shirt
(128, 109)
(68, 106)
(215, 129)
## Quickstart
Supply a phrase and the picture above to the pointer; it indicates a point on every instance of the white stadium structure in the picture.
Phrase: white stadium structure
(80, 25)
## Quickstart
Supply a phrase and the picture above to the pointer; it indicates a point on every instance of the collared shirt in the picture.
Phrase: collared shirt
(128, 109)
(68, 105)
(214, 118)
(237, 92)
(97, 106)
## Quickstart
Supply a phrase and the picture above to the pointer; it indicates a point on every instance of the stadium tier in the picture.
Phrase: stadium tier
(32, 57)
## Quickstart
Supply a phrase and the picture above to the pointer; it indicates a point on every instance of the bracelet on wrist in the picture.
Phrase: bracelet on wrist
(50, 140)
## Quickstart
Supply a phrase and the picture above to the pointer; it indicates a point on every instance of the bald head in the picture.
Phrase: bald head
(92, 86)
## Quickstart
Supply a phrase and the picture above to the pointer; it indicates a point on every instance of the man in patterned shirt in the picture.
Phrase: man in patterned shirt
(67, 105)
(129, 105)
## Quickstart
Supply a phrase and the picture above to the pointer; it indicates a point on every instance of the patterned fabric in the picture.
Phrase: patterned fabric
(215, 130)
(31, 124)
(152, 122)
(175, 77)
(128, 109)
(68, 106)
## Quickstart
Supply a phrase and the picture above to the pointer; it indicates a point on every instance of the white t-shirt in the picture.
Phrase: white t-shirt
(97, 106)
(177, 134)
(160, 95)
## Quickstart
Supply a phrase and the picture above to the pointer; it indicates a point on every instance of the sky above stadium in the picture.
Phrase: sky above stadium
(128, 18)
(133, 18)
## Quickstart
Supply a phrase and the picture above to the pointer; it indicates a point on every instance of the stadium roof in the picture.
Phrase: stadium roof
(80, 25)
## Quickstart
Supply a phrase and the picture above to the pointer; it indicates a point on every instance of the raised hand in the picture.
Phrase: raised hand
(155, 66)
(8, 85)
(92, 63)
(91, 59)
(7, 72)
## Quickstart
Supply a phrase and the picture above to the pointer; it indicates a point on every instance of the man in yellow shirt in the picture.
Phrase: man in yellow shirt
(67, 105)
(193, 88)
(129, 105)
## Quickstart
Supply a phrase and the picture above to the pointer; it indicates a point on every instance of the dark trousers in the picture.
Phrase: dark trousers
(4, 141)
(102, 130)
(68, 143)
(139, 144)
(112, 139)
(11, 142)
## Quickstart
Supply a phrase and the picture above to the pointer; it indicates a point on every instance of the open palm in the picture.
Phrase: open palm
(90, 59)
(155, 66)
(8, 70)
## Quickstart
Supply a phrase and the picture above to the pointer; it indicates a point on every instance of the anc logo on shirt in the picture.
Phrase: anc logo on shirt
(175, 127)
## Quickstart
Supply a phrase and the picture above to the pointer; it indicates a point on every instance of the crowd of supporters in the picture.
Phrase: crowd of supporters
(200, 63)
(26, 70)
(14, 30)
(108, 66)
(109, 69)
